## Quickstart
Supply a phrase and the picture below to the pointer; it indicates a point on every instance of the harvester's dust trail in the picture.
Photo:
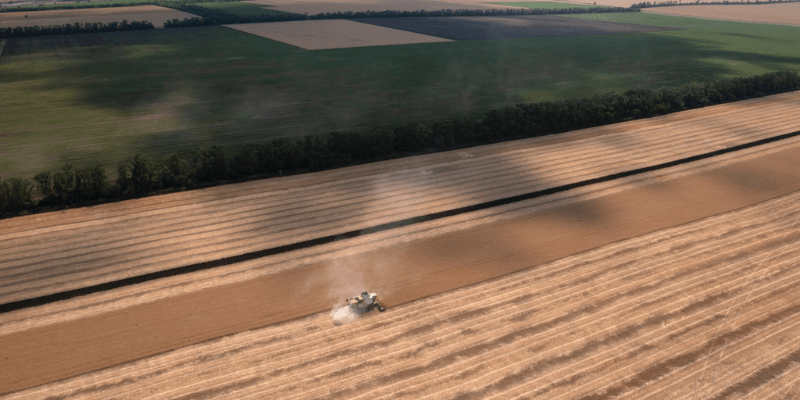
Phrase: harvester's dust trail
(342, 315)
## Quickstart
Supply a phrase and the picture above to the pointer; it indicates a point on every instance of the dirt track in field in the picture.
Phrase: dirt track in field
(706, 308)
(332, 34)
(154, 14)
(432, 257)
(782, 14)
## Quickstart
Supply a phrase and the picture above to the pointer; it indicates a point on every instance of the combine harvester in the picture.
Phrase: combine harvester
(365, 303)
(356, 306)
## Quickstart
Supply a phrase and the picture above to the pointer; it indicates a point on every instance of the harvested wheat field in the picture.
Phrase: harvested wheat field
(781, 14)
(332, 34)
(325, 6)
(154, 14)
(627, 286)
(701, 309)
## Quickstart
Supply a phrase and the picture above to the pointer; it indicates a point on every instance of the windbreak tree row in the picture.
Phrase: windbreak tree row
(89, 27)
(143, 175)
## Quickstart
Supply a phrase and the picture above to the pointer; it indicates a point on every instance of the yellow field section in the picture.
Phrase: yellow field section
(612, 290)
(65, 250)
(782, 14)
(324, 6)
(332, 34)
(154, 14)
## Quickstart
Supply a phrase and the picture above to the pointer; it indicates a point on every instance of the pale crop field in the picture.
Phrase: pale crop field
(333, 34)
(780, 14)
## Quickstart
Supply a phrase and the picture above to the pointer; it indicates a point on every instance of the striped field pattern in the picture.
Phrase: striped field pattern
(707, 309)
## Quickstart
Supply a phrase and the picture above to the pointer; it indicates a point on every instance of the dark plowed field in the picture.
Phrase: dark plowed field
(511, 27)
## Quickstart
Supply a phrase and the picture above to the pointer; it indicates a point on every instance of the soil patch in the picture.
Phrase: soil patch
(781, 14)
(332, 34)
(507, 27)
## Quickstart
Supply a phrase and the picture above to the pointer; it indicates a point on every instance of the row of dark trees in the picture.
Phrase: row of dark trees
(143, 175)
(89, 27)
(15, 194)
(209, 16)
(648, 4)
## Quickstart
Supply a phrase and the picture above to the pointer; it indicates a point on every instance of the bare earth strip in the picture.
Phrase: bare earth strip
(782, 14)
(154, 14)
(60, 251)
(317, 7)
(332, 34)
(708, 308)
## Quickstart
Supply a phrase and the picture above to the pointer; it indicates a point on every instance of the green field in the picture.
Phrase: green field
(103, 97)
(547, 5)
(241, 9)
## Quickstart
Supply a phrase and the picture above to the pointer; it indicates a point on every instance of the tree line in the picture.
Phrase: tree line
(144, 175)
(89, 27)
(209, 16)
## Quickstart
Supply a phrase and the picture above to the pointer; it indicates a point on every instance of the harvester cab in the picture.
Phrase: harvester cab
(365, 303)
